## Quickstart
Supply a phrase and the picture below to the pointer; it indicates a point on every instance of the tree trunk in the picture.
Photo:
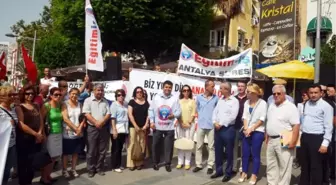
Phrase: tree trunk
(227, 33)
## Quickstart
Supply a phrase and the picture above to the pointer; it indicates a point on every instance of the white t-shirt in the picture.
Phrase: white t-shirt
(281, 117)
(47, 81)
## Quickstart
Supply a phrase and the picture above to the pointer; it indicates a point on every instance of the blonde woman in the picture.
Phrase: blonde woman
(254, 116)
(186, 126)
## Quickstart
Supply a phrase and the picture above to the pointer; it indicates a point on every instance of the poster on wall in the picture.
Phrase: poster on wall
(152, 82)
(277, 32)
(236, 66)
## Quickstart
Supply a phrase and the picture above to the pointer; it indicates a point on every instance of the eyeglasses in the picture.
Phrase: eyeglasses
(29, 93)
(64, 86)
(139, 92)
(118, 95)
(276, 94)
(186, 90)
(57, 95)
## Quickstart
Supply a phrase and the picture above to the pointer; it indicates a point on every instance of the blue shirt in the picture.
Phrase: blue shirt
(83, 96)
(270, 99)
(318, 119)
(119, 113)
(205, 108)
(161, 107)
(226, 111)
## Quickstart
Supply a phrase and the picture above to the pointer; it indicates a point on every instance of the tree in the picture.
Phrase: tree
(151, 27)
(230, 8)
(328, 52)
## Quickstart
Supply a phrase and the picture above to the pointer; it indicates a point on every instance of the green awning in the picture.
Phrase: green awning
(326, 25)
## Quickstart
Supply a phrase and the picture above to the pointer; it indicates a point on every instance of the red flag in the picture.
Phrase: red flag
(30, 65)
(3, 68)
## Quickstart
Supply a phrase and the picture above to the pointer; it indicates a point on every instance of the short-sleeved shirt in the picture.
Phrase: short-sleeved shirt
(3, 114)
(140, 113)
(119, 113)
(281, 117)
(97, 108)
(47, 81)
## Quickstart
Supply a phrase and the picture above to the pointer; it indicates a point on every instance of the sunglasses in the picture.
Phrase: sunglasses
(139, 92)
(57, 95)
(118, 95)
(186, 90)
(276, 94)
(29, 93)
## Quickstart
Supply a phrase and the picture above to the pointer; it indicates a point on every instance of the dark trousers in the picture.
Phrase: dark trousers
(224, 137)
(168, 137)
(26, 149)
(116, 150)
(97, 141)
(312, 160)
(10, 161)
(252, 144)
(332, 160)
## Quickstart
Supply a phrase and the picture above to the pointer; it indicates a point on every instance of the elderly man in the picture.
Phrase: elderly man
(42, 97)
(316, 130)
(281, 115)
(279, 81)
(224, 117)
(162, 112)
(97, 112)
(206, 104)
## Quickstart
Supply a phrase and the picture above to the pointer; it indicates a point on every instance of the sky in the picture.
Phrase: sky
(12, 11)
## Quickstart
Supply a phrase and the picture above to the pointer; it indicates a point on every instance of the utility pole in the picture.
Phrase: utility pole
(34, 46)
(318, 43)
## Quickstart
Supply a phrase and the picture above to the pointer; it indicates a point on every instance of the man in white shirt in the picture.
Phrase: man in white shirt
(47, 79)
(279, 81)
(281, 115)
(224, 118)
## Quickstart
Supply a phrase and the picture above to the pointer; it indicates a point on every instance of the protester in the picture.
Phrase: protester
(157, 68)
(47, 79)
(242, 97)
(254, 116)
(138, 126)
(281, 115)
(72, 132)
(7, 95)
(316, 130)
(331, 92)
(205, 104)
(332, 96)
(28, 140)
(162, 112)
(279, 81)
(97, 111)
(42, 97)
(119, 130)
(86, 93)
(224, 117)
(52, 113)
(186, 125)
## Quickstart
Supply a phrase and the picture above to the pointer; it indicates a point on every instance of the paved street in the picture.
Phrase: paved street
(148, 176)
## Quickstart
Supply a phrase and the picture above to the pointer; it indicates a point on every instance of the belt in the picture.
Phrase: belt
(274, 137)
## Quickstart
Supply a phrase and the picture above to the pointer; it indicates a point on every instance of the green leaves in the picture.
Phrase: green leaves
(328, 52)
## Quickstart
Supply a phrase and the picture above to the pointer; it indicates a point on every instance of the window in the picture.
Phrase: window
(217, 37)
(241, 39)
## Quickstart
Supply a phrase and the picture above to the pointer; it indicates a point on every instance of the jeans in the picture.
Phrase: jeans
(252, 144)
(10, 162)
(168, 137)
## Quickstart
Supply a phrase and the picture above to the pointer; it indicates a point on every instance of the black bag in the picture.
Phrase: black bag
(41, 159)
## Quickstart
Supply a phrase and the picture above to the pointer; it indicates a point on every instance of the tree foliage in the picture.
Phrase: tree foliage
(154, 28)
(328, 52)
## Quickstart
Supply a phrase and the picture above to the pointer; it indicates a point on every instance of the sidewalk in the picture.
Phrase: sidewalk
(148, 176)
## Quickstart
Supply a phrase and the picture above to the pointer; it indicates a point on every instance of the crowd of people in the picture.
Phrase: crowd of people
(62, 122)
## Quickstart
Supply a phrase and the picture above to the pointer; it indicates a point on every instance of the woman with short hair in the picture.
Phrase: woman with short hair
(254, 116)
(139, 124)
(72, 132)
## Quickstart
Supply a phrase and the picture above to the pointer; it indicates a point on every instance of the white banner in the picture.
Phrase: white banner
(109, 88)
(93, 44)
(5, 132)
(237, 66)
(152, 82)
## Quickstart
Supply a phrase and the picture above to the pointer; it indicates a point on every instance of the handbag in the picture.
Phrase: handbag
(242, 128)
(137, 153)
(183, 143)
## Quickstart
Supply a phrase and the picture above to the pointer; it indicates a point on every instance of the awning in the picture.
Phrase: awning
(326, 25)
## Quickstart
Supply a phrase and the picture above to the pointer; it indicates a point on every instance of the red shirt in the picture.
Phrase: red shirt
(39, 100)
